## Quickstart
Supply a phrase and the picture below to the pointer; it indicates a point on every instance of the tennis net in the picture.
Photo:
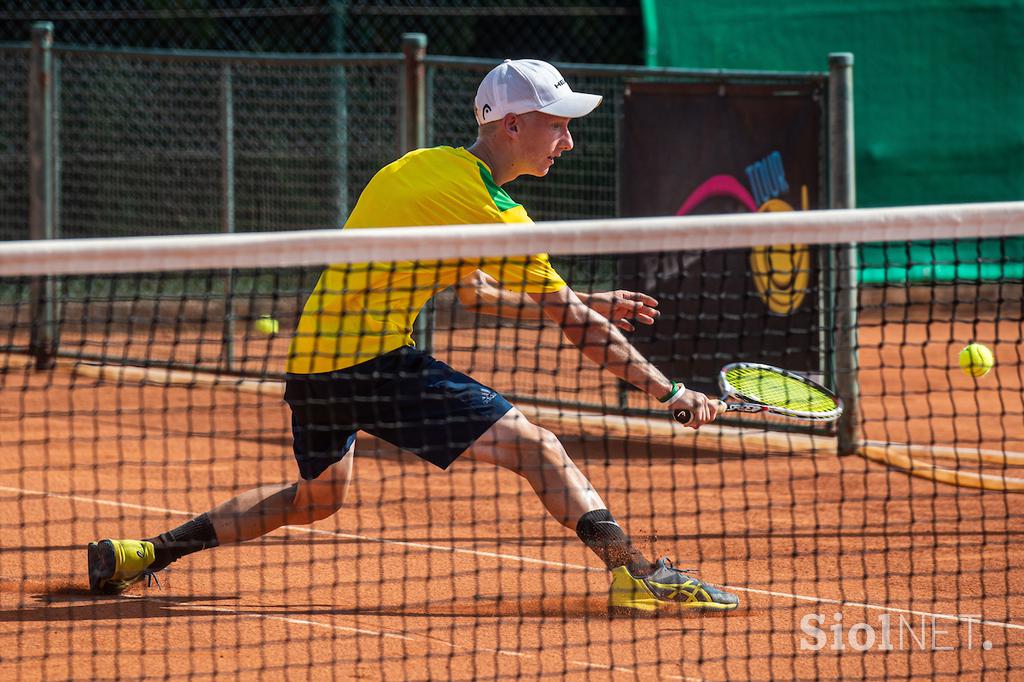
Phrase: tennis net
(144, 384)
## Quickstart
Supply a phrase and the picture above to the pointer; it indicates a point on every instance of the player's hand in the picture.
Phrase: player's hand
(625, 308)
(701, 409)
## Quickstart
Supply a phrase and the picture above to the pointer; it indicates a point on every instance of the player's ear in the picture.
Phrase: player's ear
(510, 124)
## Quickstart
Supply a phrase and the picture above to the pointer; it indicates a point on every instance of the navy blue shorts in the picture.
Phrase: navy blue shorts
(404, 397)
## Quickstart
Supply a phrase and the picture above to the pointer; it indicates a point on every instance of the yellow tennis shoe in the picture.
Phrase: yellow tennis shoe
(114, 565)
(665, 587)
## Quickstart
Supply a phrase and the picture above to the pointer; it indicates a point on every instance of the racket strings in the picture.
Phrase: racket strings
(779, 390)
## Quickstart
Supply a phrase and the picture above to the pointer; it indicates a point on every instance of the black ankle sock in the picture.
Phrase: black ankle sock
(599, 531)
(189, 537)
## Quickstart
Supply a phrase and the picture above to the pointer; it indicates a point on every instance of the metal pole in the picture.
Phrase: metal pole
(339, 93)
(414, 136)
(414, 98)
(842, 194)
(227, 207)
(41, 209)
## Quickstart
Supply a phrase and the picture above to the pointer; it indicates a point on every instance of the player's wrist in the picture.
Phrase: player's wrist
(673, 393)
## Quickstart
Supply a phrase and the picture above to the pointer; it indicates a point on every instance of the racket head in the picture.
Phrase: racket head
(782, 391)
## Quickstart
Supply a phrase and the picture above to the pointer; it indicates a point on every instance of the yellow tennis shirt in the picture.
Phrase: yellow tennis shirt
(360, 311)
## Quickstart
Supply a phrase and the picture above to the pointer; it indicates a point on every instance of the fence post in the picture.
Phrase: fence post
(227, 207)
(414, 94)
(41, 208)
(414, 136)
(842, 194)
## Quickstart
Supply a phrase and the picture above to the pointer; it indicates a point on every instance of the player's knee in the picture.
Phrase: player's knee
(541, 451)
(551, 449)
(326, 503)
(315, 501)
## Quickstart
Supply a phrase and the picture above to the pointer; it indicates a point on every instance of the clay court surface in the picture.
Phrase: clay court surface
(428, 574)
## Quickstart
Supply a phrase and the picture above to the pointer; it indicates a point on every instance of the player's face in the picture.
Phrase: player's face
(542, 139)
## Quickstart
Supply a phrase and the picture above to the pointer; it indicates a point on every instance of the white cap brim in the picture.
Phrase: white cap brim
(573, 105)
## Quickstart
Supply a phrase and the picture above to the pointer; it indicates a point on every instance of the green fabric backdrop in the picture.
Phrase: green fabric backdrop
(938, 96)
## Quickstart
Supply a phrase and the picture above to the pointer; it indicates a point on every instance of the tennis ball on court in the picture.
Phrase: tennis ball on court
(976, 360)
(266, 324)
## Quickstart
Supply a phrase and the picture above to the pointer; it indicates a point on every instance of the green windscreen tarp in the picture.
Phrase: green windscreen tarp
(939, 105)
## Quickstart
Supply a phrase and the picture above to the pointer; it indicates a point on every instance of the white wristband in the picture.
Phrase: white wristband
(677, 388)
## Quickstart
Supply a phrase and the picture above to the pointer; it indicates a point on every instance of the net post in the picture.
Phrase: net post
(842, 194)
(414, 136)
(227, 205)
(42, 207)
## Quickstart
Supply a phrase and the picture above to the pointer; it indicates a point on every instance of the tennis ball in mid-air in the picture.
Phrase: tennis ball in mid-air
(976, 360)
(265, 324)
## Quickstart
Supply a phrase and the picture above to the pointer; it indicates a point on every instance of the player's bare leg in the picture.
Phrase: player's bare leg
(114, 565)
(514, 443)
(258, 511)
(638, 586)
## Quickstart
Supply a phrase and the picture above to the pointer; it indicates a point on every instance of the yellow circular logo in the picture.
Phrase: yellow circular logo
(781, 272)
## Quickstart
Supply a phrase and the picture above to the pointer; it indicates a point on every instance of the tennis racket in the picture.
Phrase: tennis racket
(763, 388)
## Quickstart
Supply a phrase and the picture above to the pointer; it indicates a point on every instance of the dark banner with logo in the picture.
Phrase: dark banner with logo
(690, 149)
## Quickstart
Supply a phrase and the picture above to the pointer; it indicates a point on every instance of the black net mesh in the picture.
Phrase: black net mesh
(168, 400)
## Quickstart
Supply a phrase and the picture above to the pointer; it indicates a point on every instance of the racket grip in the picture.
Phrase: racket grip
(684, 417)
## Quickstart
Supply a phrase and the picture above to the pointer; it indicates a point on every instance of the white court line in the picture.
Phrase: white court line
(331, 626)
(376, 633)
(528, 560)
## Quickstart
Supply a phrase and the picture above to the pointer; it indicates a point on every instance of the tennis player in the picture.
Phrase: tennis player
(353, 365)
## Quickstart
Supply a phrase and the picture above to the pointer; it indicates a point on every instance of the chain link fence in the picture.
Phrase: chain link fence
(596, 31)
(153, 143)
(14, 144)
(149, 142)
(140, 138)
(150, 145)
(159, 142)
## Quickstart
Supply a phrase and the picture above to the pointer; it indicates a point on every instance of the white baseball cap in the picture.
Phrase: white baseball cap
(522, 85)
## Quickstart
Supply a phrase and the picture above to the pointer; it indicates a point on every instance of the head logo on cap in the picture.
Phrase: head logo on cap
(523, 85)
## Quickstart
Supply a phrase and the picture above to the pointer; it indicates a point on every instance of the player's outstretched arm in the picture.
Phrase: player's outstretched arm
(479, 292)
(599, 340)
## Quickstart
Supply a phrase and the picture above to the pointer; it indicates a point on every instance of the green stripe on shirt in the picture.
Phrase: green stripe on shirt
(499, 196)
